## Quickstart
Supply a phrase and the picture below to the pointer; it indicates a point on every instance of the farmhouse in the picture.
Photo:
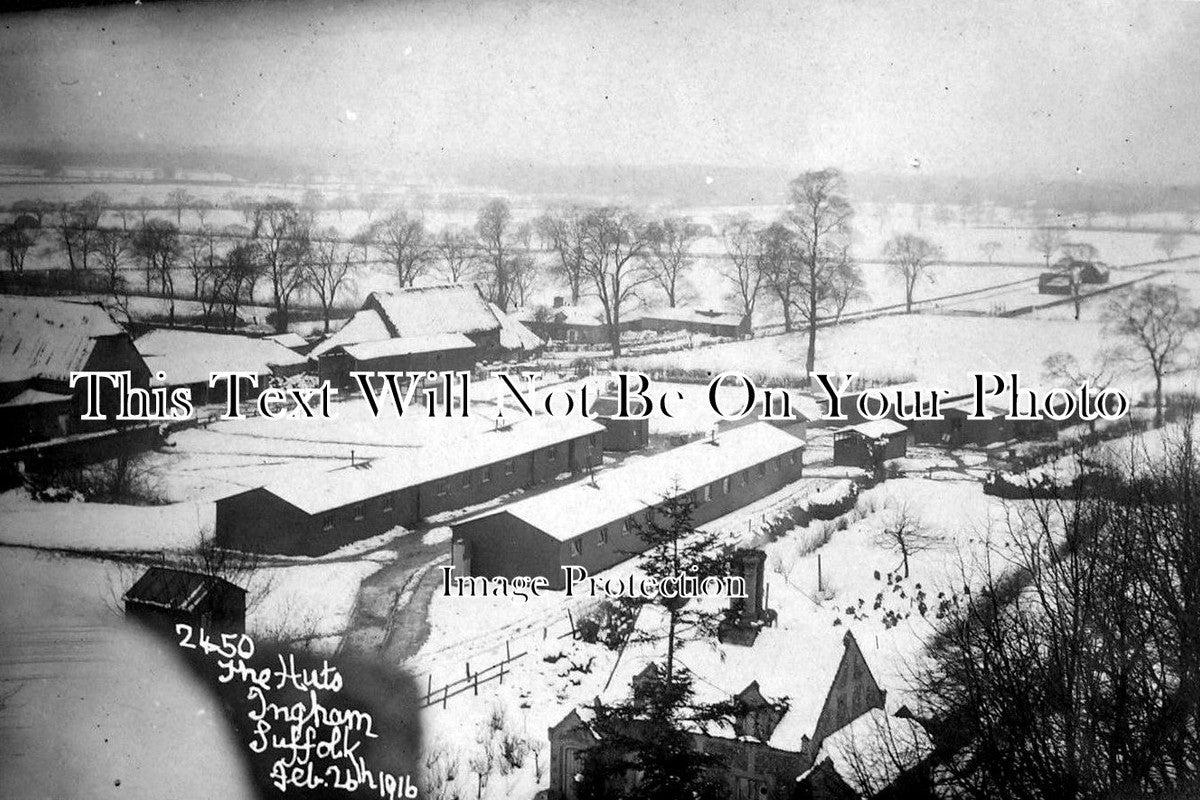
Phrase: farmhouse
(593, 524)
(791, 705)
(868, 444)
(708, 321)
(42, 342)
(567, 323)
(423, 313)
(188, 358)
(314, 513)
(164, 597)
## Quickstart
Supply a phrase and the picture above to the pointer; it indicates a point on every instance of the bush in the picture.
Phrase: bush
(834, 501)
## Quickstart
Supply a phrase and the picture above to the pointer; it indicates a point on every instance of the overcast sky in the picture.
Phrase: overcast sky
(1112, 89)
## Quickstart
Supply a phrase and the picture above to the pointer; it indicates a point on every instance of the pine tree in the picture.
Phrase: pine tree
(650, 732)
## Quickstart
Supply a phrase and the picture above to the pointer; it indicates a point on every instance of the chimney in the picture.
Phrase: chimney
(558, 301)
(352, 457)
(712, 435)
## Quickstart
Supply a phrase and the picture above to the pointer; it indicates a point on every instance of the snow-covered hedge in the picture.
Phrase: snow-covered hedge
(833, 501)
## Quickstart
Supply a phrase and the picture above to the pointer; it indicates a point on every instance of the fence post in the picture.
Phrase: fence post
(428, 687)
(445, 694)
(476, 684)
(571, 620)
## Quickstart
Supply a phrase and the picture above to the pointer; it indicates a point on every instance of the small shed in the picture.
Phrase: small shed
(621, 434)
(164, 597)
(959, 429)
(868, 444)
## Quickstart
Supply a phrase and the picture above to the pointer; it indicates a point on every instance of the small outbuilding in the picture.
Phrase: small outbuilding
(868, 444)
(165, 597)
(621, 435)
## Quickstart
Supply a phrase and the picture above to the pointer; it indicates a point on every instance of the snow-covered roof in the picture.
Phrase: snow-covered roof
(873, 751)
(721, 671)
(583, 315)
(408, 345)
(426, 310)
(990, 407)
(291, 340)
(34, 397)
(318, 491)
(513, 333)
(698, 315)
(40, 337)
(171, 588)
(365, 326)
(191, 356)
(875, 429)
(638, 483)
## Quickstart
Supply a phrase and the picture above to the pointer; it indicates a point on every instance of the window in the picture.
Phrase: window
(726, 484)
(636, 433)
(486, 476)
(327, 522)
(577, 547)
(466, 480)
(792, 459)
(388, 502)
(603, 537)
(626, 528)
(443, 487)
(594, 440)
(707, 493)
(552, 454)
(762, 469)
(359, 512)
(510, 466)
(745, 477)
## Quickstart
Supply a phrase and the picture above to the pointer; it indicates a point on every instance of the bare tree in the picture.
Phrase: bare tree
(201, 207)
(741, 246)
(78, 225)
(403, 241)
(144, 206)
(525, 276)
(1100, 373)
(990, 249)
(1156, 321)
(497, 256)
(179, 199)
(1168, 242)
(671, 242)
(905, 534)
(777, 263)
(283, 243)
(820, 215)
(911, 258)
(1074, 669)
(17, 238)
(563, 231)
(114, 248)
(455, 252)
(328, 270)
(615, 245)
(369, 202)
(242, 270)
(157, 242)
(845, 285)
(1047, 241)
